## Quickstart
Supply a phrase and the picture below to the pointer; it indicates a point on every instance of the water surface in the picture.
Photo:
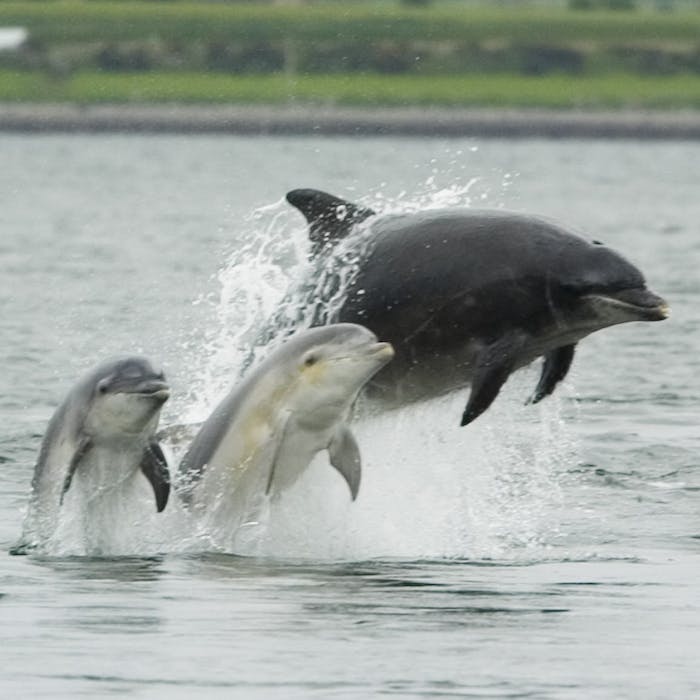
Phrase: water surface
(549, 551)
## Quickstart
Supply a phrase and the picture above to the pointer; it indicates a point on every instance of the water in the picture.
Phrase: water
(547, 551)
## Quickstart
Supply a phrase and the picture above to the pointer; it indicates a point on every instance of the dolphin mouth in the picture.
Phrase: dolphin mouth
(161, 395)
(384, 351)
(646, 305)
(151, 389)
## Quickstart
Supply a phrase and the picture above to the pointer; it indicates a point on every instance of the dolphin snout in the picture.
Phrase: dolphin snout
(382, 349)
(639, 303)
(652, 306)
(152, 388)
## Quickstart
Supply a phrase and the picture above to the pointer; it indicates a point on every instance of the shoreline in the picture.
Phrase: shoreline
(304, 120)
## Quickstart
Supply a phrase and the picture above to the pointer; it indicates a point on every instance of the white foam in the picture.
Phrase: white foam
(430, 488)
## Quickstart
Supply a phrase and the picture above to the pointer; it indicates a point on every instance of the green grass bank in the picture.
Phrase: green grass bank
(555, 92)
(354, 54)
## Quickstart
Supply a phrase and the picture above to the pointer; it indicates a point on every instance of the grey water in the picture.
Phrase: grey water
(548, 551)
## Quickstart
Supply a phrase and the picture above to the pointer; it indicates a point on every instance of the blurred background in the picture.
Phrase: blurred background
(562, 54)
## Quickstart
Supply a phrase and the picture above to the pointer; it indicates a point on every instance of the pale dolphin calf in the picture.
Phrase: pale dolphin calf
(265, 433)
(98, 448)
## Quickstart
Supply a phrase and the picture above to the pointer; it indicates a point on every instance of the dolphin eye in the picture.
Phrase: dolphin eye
(310, 360)
(102, 387)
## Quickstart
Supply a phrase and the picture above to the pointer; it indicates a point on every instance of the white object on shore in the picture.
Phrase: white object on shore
(12, 38)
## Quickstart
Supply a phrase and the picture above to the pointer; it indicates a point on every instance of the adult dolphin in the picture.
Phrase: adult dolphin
(468, 296)
(101, 436)
(267, 430)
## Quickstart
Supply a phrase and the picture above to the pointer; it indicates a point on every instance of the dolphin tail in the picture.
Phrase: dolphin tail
(330, 218)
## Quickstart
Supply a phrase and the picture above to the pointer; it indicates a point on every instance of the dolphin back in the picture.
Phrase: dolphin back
(211, 433)
(205, 444)
(63, 432)
(482, 270)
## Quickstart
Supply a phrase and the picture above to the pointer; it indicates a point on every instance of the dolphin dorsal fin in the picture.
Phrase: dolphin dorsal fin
(330, 218)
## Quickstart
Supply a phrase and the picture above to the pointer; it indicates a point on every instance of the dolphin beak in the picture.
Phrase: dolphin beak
(161, 395)
(152, 389)
(640, 302)
(384, 350)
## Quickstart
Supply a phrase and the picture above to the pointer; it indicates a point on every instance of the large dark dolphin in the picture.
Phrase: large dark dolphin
(468, 296)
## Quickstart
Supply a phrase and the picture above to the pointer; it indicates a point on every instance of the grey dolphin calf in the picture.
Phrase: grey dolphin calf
(265, 433)
(469, 296)
(101, 442)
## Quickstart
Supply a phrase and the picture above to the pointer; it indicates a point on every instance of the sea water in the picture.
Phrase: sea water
(543, 551)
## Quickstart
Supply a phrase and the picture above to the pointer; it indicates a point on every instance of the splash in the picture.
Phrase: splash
(268, 275)
(269, 253)
(429, 488)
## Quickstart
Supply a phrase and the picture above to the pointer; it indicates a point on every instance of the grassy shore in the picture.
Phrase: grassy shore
(351, 54)
(554, 91)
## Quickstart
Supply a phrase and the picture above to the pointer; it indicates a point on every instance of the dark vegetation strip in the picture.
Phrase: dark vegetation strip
(333, 121)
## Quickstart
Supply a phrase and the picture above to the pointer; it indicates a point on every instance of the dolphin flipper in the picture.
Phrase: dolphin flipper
(155, 468)
(83, 447)
(494, 365)
(555, 367)
(345, 457)
(281, 433)
(330, 218)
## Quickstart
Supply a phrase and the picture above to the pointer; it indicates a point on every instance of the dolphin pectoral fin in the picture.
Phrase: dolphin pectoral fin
(155, 468)
(83, 447)
(345, 457)
(555, 368)
(275, 458)
(493, 367)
